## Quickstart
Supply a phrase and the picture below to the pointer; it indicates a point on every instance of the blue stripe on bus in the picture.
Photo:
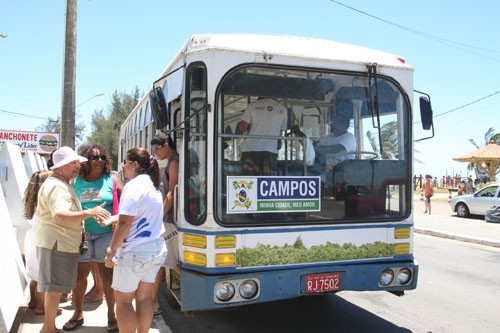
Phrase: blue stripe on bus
(284, 230)
(233, 269)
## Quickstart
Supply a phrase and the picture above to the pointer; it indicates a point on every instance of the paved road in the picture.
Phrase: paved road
(442, 223)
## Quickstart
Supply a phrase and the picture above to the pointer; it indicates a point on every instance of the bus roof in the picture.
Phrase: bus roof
(310, 48)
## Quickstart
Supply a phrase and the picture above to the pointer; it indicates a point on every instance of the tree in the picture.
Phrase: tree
(489, 136)
(389, 138)
(54, 126)
(106, 129)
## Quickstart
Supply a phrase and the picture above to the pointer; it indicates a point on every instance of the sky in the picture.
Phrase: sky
(454, 46)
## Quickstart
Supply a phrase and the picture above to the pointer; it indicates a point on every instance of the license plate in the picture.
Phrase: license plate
(322, 282)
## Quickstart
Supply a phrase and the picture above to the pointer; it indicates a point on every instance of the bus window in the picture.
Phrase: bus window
(359, 130)
(196, 142)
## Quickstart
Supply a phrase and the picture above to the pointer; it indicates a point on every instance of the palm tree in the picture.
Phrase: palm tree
(489, 136)
(389, 138)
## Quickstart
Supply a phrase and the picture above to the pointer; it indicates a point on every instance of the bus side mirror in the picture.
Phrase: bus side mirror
(426, 114)
(159, 108)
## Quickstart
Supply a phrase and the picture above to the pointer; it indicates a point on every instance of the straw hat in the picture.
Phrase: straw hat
(65, 155)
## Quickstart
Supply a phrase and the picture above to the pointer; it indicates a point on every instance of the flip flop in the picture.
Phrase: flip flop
(157, 312)
(112, 326)
(72, 324)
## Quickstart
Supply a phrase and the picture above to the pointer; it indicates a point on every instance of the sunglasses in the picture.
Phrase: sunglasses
(96, 157)
(127, 161)
(155, 149)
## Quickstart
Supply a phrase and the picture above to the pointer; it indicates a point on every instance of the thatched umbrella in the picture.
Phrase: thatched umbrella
(486, 158)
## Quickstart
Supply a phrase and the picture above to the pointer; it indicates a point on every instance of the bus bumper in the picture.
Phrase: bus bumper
(198, 291)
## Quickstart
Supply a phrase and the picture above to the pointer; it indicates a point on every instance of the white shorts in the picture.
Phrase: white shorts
(172, 242)
(140, 263)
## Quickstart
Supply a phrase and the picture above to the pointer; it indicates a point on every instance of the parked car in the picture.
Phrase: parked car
(477, 203)
(493, 214)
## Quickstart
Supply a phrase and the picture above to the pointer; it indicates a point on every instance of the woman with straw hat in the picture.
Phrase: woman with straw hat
(60, 232)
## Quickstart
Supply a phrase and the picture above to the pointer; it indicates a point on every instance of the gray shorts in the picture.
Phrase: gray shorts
(57, 270)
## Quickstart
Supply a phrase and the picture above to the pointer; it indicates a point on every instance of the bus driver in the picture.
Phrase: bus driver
(336, 146)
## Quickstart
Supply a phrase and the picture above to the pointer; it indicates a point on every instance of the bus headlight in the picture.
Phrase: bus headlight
(386, 277)
(403, 276)
(224, 291)
(248, 289)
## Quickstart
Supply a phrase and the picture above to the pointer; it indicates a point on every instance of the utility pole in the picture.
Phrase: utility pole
(69, 77)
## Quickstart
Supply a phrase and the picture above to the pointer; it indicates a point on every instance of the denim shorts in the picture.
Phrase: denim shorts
(98, 243)
(140, 263)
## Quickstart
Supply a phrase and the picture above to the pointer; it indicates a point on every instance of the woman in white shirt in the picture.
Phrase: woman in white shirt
(137, 249)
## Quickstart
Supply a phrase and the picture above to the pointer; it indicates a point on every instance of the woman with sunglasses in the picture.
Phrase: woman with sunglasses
(95, 185)
(137, 249)
(60, 232)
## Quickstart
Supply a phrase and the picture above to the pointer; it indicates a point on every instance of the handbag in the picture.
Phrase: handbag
(84, 244)
(116, 198)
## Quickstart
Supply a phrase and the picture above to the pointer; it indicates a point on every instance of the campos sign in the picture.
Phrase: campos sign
(272, 194)
(38, 142)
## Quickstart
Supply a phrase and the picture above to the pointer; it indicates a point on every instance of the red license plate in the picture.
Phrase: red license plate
(322, 282)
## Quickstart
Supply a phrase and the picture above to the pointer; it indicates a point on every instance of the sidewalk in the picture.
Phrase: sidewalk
(94, 314)
(445, 223)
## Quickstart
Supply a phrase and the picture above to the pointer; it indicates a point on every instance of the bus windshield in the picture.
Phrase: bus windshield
(344, 134)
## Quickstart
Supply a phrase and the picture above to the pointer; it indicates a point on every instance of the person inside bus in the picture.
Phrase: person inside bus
(334, 147)
(164, 148)
(264, 117)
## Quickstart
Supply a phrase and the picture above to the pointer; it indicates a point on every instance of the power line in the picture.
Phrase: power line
(445, 41)
(473, 102)
(463, 106)
(25, 115)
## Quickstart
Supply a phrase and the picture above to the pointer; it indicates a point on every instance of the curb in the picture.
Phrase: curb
(459, 237)
(161, 325)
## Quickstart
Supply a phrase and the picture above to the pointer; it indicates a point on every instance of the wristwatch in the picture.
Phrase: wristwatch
(110, 250)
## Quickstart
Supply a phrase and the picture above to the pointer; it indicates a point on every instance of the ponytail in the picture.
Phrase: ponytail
(147, 163)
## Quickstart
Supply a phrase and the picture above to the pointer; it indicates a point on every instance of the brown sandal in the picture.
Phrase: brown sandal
(112, 326)
(72, 324)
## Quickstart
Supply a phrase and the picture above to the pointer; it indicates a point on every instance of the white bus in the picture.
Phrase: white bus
(307, 226)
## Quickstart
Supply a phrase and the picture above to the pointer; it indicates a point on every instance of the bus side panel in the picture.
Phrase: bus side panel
(197, 290)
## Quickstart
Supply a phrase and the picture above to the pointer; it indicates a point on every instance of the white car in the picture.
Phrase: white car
(477, 203)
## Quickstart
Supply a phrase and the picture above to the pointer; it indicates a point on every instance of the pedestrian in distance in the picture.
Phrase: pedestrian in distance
(428, 190)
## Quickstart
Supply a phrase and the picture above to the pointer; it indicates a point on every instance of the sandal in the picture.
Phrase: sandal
(72, 324)
(112, 326)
